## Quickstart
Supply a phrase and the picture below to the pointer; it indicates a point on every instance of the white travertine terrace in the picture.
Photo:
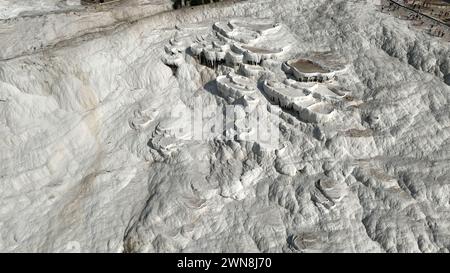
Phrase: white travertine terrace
(142, 119)
(244, 131)
(331, 188)
(175, 51)
(88, 2)
(305, 69)
(93, 159)
(246, 32)
(310, 104)
(319, 91)
(233, 59)
(236, 43)
(256, 54)
(210, 53)
(306, 242)
(253, 71)
(235, 86)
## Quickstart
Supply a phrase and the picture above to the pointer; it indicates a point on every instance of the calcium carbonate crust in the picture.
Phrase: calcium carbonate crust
(90, 164)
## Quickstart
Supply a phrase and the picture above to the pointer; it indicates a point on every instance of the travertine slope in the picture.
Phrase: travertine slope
(90, 100)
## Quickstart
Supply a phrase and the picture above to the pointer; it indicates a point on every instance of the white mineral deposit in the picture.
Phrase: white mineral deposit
(233, 126)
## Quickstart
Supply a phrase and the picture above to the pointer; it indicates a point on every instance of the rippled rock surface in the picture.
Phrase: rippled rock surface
(110, 136)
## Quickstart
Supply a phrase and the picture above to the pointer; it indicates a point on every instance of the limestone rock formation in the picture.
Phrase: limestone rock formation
(254, 126)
